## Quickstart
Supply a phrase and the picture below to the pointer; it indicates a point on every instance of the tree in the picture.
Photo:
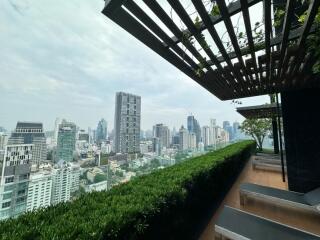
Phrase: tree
(257, 129)
(99, 178)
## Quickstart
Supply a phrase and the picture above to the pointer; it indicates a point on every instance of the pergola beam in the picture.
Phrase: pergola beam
(230, 75)
(233, 8)
(176, 5)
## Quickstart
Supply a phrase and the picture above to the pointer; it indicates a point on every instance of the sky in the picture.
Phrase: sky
(66, 59)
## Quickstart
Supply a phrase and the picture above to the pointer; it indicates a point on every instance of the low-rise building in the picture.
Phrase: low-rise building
(100, 186)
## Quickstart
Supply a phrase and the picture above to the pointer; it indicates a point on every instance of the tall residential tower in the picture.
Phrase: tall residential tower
(127, 123)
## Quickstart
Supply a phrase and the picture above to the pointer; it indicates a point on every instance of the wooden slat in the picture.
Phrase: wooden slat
(312, 11)
(176, 5)
(215, 36)
(247, 22)
(143, 17)
(289, 15)
(233, 8)
(131, 25)
(227, 20)
(163, 16)
(267, 25)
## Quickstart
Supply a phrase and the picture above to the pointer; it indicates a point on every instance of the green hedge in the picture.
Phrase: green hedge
(165, 204)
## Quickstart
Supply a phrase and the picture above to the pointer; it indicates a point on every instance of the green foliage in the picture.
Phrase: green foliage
(278, 17)
(154, 163)
(197, 23)
(313, 40)
(313, 43)
(215, 11)
(100, 177)
(257, 129)
(119, 173)
(165, 204)
(104, 159)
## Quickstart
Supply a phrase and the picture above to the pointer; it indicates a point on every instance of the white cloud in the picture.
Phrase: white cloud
(65, 58)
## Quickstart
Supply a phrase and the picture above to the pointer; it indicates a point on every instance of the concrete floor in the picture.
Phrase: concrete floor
(307, 221)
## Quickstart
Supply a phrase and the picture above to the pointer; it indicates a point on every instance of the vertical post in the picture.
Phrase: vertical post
(280, 139)
(108, 175)
(275, 135)
(274, 128)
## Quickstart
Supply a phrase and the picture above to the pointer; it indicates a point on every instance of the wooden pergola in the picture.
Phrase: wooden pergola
(260, 111)
(283, 65)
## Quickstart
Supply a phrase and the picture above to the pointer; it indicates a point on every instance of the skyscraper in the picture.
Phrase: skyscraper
(66, 141)
(236, 130)
(56, 130)
(15, 173)
(225, 124)
(205, 135)
(163, 133)
(213, 132)
(101, 133)
(127, 123)
(3, 140)
(192, 144)
(194, 127)
(183, 139)
(31, 133)
(227, 127)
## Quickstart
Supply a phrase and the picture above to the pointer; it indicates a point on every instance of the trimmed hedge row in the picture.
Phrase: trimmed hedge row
(165, 204)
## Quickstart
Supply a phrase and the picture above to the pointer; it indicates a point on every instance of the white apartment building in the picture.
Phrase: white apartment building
(192, 141)
(39, 190)
(75, 178)
(205, 135)
(183, 138)
(65, 180)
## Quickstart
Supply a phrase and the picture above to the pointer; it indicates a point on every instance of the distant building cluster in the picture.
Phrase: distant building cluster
(39, 168)
(27, 181)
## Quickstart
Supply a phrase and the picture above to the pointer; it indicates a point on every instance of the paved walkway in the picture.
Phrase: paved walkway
(309, 222)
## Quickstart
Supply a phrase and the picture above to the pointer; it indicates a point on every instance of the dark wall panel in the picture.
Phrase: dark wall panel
(301, 120)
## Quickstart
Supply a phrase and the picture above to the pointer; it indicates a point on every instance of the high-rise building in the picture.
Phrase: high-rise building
(156, 145)
(227, 127)
(101, 133)
(65, 180)
(39, 190)
(31, 133)
(176, 139)
(183, 138)
(3, 140)
(225, 137)
(194, 127)
(55, 131)
(15, 173)
(205, 135)
(225, 124)
(236, 130)
(66, 141)
(83, 136)
(213, 132)
(163, 133)
(127, 123)
(192, 141)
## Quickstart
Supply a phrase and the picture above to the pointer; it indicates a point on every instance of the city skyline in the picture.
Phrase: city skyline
(203, 119)
(76, 79)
